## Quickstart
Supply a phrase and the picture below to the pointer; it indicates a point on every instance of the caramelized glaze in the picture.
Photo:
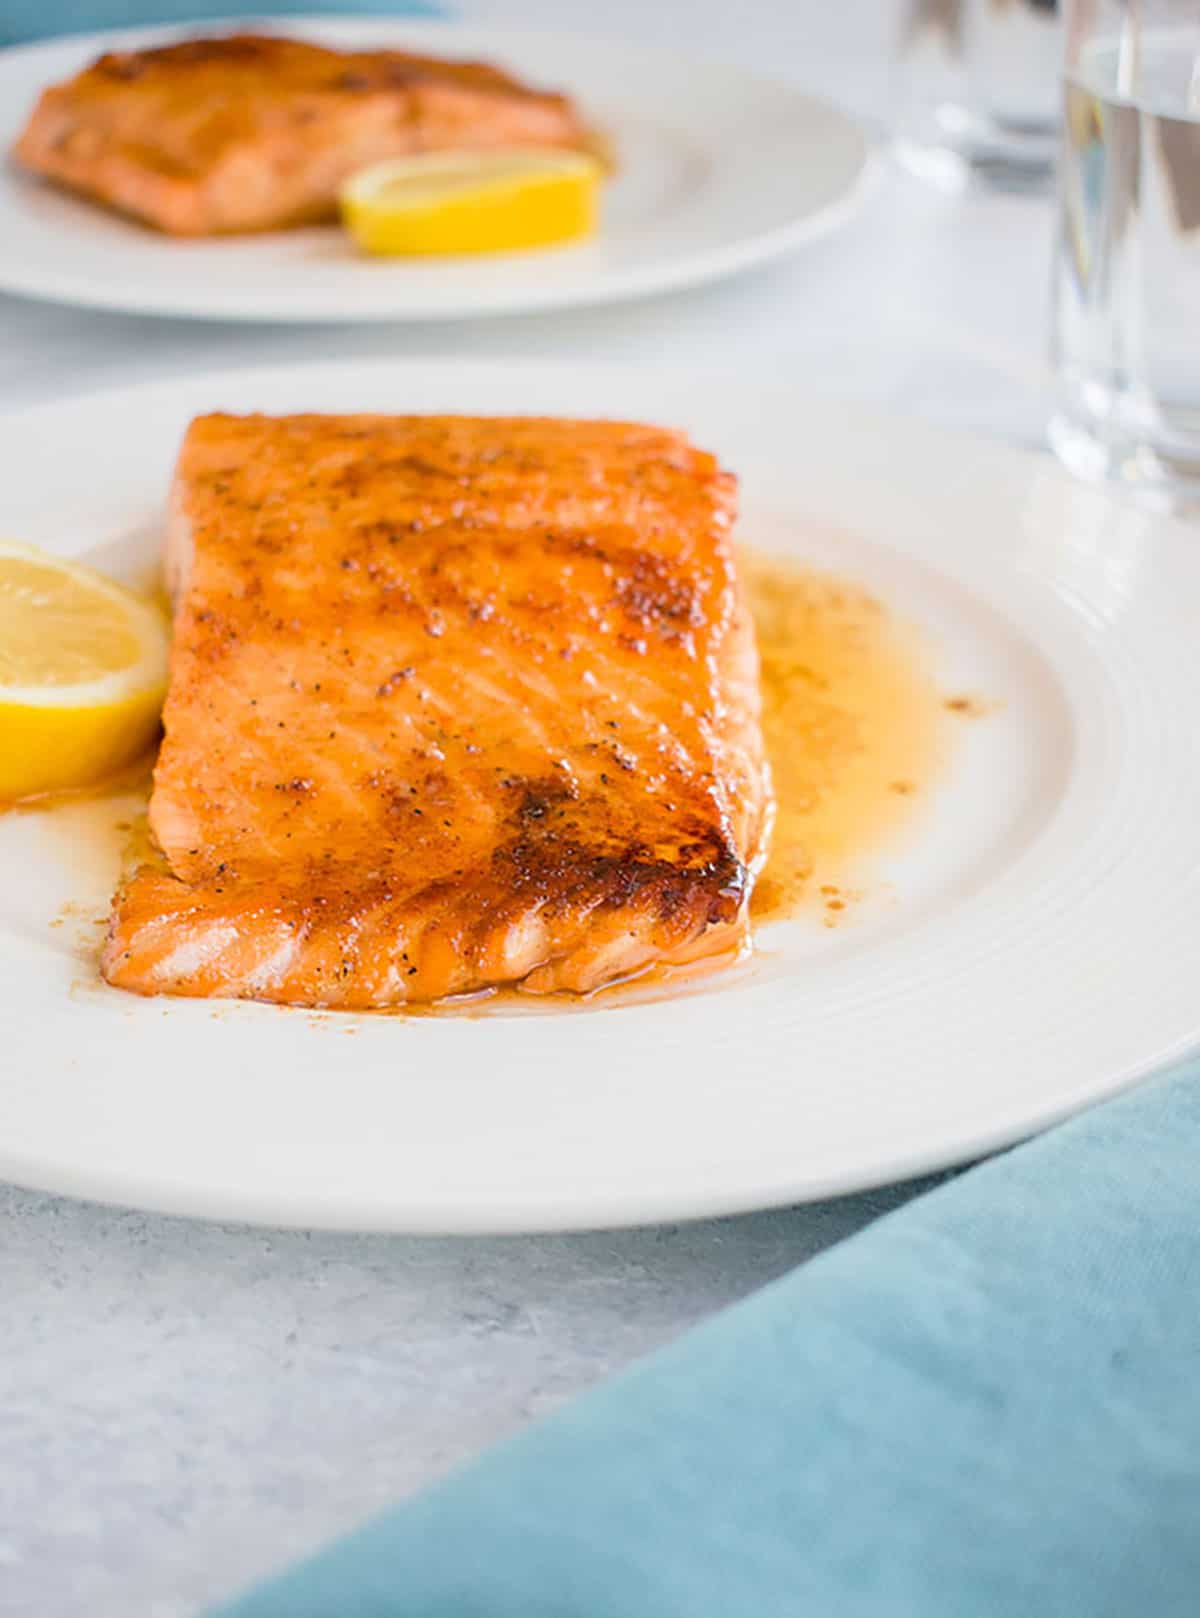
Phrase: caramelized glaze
(455, 702)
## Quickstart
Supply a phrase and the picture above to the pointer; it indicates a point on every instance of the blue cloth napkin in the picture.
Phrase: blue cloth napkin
(22, 20)
(987, 1405)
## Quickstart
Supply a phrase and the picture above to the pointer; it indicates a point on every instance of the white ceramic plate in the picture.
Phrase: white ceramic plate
(1040, 947)
(719, 170)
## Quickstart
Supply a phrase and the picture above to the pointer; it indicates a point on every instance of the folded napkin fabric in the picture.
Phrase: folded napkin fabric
(24, 20)
(986, 1405)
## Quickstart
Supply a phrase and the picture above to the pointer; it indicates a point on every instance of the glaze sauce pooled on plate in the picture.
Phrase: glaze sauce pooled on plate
(852, 720)
(853, 723)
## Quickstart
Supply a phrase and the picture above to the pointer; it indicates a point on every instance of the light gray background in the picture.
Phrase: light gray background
(183, 1407)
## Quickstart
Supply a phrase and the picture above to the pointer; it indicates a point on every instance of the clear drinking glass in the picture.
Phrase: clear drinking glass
(1127, 265)
(977, 91)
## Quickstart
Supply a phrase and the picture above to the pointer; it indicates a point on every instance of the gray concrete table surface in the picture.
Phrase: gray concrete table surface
(184, 1406)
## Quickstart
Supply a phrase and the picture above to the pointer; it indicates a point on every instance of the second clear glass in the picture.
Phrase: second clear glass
(977, 91)
(1127, 267)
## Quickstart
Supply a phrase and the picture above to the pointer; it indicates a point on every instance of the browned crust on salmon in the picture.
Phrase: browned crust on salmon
(249, 133)
(454, 703)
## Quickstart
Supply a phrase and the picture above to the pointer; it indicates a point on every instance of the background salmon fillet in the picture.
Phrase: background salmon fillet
(454, 703)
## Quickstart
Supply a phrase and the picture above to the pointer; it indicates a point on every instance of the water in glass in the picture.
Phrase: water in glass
(1127, 272)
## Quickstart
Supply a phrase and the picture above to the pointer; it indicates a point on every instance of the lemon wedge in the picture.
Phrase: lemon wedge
(473, 202)
(83, 669)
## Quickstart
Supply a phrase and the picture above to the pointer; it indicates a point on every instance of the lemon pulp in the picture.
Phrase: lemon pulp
(83, 669)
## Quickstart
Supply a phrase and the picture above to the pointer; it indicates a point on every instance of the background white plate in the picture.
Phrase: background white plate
(1041, 947)
(720, 169)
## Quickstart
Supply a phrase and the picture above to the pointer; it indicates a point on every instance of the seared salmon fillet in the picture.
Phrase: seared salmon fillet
(249, 133)
(454, 703)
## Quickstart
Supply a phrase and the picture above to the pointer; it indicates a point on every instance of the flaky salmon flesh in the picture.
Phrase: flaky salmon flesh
(250, 133)
(454, 703)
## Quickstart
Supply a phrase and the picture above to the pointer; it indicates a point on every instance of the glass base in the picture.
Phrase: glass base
(953, 148)
(1160, 479)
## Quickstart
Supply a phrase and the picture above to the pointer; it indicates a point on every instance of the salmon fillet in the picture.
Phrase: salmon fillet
(249, 133)
(454, 703)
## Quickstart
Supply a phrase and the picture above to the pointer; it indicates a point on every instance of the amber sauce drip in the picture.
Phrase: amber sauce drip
(852, 719)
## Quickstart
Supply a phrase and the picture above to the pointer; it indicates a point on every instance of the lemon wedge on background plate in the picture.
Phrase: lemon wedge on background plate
(83, 669)
(473, 202)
